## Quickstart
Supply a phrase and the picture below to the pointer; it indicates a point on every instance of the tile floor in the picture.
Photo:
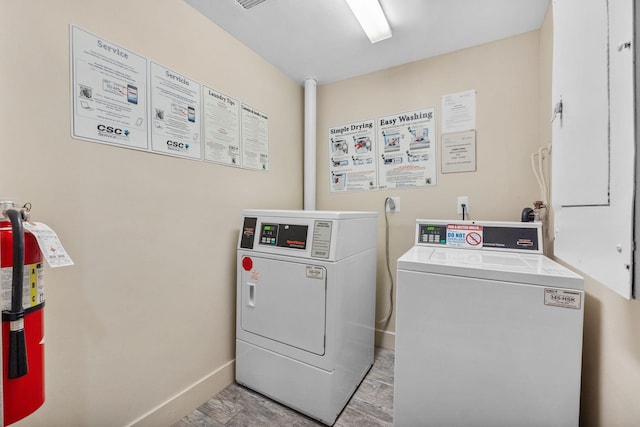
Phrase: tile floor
(370, 406)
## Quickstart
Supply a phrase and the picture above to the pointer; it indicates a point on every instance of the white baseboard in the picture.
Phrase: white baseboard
(385, 339)
(184, 402)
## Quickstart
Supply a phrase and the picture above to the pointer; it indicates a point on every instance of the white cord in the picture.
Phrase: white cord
(535, 170)
(538, 171)
(386, 240)
(545, 193)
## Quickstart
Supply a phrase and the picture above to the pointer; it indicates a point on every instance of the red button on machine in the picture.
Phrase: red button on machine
(247, 263)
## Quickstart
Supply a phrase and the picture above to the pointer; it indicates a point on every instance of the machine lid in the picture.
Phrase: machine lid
(308, 214)
(526, 268)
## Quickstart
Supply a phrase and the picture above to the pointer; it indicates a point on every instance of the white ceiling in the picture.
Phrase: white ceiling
(322, 39)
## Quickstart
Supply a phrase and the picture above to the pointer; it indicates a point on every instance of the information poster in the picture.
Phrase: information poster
(407, 147)
(255, 138)
(352, 157)
(175, 113)
(459, 152)
(459, 111)
(109, 92)
(221, 116)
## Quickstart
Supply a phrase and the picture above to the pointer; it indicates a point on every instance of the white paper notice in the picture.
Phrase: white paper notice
(175, 113)
(459, 152)
(109, 92)
(459, 111)
(407, 147)
(49, 243)
(255, 138)
(221, 117)
(352, 157)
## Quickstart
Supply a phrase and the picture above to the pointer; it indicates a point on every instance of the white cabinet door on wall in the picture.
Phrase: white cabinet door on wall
(594, 139)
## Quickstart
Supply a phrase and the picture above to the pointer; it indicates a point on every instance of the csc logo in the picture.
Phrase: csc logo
(111, 129)
(176, 144)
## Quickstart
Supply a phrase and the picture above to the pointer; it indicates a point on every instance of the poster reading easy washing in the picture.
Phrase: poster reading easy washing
(175, 113)
(352, 157)
(407, 149)
(109, 92)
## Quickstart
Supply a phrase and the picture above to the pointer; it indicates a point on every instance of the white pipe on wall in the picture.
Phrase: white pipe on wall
(310, 85)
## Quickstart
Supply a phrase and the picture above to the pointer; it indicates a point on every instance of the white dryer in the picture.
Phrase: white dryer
(489, 330)
(306, 289)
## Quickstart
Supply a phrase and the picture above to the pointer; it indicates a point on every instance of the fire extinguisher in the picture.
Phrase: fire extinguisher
(22, 315)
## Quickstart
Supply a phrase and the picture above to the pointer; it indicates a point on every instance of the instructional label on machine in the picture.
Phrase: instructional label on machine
(321, 239)
(315, 272)
(466, 236)
(563, 298)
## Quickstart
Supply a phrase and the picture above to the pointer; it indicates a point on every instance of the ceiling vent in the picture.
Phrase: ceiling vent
(248, 4)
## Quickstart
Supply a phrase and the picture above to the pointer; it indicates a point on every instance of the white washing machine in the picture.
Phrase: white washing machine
(305, 312)
(489, 330)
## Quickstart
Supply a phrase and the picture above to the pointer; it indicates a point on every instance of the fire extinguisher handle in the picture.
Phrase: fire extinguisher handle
(17, 345)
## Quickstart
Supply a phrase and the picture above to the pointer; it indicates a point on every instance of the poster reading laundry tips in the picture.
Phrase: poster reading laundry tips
(407, 149)
(352, 157)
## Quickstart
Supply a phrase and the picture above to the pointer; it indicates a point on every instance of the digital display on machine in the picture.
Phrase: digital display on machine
(284, 235)
(436, 234)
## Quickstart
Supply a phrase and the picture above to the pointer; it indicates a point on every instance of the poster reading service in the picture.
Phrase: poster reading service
(352, 157)
(175, 113)
(221, 118)
(255, 138)
(109, 92)
(407, 147)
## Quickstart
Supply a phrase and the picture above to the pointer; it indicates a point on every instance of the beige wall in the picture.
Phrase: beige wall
(142, 327)
(611, 350)
(148, 309)
(505, 75)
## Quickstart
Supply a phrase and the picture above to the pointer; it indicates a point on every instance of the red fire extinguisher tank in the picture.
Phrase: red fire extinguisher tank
(23, 392)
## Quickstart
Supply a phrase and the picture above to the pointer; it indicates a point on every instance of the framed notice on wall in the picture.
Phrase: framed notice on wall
(459, 152)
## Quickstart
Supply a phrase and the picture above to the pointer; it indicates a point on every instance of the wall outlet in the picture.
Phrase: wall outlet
(396, 205)
(463, 200)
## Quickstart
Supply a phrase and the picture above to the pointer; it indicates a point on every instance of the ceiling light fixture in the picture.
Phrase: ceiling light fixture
(371, 18)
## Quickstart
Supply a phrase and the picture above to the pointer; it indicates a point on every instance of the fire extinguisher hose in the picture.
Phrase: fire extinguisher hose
(17, 345)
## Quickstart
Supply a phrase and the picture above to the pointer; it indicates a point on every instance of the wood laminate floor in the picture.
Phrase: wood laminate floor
(370, 406)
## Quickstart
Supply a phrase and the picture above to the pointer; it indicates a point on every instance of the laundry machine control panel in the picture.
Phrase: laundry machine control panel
(284, 235)
(484, 235)
(321, 235)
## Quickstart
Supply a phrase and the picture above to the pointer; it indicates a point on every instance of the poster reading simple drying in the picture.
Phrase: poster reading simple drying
(255, 138)
(352, 157)
(109, 92)
(175, 113)
(407, 149)
(221, 117)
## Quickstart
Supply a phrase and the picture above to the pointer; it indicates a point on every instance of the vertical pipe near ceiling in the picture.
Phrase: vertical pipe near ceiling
(310, 85)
